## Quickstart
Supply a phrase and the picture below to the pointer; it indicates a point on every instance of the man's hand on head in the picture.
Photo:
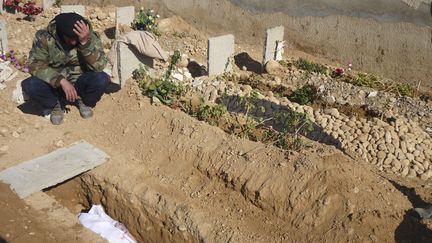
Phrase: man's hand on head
(83, 31)
(69, 90)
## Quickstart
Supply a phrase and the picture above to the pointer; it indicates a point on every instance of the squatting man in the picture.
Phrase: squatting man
(66, 63)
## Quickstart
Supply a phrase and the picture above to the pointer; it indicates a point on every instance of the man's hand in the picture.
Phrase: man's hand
(83, 31)
(69, 90)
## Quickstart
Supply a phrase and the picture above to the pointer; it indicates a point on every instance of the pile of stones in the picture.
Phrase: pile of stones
(376, 102)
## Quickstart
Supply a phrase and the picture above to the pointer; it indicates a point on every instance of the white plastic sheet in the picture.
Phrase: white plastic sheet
(99, 222)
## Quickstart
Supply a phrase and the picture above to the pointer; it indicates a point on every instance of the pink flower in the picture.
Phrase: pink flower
(339, 71)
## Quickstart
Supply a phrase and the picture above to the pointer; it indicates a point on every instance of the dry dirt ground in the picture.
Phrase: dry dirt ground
(172, 178)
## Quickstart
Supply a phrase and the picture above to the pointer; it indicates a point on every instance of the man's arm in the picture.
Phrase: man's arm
(39, 61)
(90, 47)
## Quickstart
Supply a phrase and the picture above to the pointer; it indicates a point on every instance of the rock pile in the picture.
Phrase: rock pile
(377, 102)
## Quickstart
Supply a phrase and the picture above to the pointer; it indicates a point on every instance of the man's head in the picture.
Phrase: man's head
(65, 27)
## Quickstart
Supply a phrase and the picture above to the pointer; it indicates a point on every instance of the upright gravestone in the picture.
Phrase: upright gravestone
(220, 51)
(79, 9)
(128, 60)
(46, 4)
(124, 16)
(274, 42)
(3, 36)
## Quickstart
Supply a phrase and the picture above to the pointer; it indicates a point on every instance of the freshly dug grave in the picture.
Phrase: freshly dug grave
(174, 178)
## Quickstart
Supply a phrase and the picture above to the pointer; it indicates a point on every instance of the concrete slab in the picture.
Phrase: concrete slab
(3, 37)
(47, 4)
(128, 60)
(79, 9)
(53, 168)
(124, 16)
(220, 51)
(273, 36)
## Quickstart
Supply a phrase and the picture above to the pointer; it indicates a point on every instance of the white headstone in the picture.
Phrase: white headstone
(128, 60)
(124, 16)
(79, 9)
(3, 37)
(280, 47)
(273, 36)
(220, 52)
(53, 168)
(46, 4)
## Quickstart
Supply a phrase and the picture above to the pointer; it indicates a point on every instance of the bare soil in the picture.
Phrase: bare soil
(21, 223)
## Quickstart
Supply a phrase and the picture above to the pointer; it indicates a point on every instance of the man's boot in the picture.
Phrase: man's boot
(85, 111)
(57, 115)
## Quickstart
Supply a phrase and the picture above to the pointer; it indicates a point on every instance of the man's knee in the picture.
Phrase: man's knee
(32, 85)
(100, 79)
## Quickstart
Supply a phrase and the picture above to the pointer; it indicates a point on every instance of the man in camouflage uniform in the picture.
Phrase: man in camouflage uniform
(66, 61)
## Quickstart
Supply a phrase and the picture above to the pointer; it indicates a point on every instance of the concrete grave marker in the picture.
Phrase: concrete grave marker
(79, 9)
(3, 37)
(128, 60)
(46, 4)
(53, 168)
(124, 16)
(220, 50)
(273, 37)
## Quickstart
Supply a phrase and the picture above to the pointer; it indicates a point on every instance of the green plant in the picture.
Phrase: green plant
(310, 67)
(211, 114)
(146, 20)
(141, 75)
(284, 63)
(365, 80)
(304, 95)
(162, 89)
(404, 89)
(174, 60)
(294, 122)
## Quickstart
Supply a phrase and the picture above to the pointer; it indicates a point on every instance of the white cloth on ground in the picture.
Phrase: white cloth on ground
(99, 222)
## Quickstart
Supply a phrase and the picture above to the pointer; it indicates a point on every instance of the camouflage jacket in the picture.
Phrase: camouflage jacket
(49, 61)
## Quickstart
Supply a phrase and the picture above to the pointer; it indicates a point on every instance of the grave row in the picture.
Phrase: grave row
(220, 49)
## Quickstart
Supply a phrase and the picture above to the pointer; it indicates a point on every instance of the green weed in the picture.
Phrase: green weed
(404, 89)
(365, 80)
(163, 89)
(304, 95)
(310, 67)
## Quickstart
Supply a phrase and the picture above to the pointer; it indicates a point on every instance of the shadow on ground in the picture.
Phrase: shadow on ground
(196, 70)
(411, 229)
(237, 104)
(244, 60)
(31, 107)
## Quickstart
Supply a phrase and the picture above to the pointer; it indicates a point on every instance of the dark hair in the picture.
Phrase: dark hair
(65, 24)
